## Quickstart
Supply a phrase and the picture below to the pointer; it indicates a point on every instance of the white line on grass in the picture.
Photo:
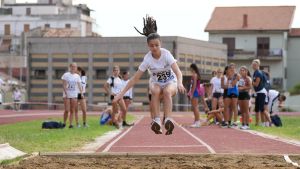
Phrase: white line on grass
(210, 149)
(108, 147)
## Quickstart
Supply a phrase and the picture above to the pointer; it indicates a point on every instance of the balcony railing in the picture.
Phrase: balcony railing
(275, 53)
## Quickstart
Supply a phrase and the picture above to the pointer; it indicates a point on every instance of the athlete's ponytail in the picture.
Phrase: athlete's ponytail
(150, 28)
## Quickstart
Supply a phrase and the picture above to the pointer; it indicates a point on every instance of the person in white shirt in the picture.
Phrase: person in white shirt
(127, 97)
(115, 84)
(17, 96)
(165, 80)
(275, 100)
(71, 88)
(82, 100)
(217, 90)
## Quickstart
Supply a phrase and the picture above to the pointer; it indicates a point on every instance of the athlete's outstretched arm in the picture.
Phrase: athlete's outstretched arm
(178, 73)
(133, 80)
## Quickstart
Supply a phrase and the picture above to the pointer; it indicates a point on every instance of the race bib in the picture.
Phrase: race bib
(164, 76)
(71, 86)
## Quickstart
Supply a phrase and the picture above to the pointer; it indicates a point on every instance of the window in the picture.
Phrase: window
(265, 68)
(28, 11)
(26, 27)
(47, 25)
(7, 29)
(263, 46)
(101, 74)
(68, 25)
(59, 73)
(230, 42)
(39, 74)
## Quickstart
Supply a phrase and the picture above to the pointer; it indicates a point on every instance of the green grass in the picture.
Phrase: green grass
(29, 137)
(290, 128)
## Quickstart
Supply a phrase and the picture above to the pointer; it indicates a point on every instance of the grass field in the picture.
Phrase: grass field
(289, 130)
(29, 137)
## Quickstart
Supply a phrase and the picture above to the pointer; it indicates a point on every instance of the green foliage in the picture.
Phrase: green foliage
(290, 128)
(29, 137)
(295, 90)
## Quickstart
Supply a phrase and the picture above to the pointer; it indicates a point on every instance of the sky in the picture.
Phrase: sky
(187, 18)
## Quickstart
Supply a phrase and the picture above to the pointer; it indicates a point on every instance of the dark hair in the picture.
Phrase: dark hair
(225, 70)
(195, 69)
(248, 73)
(149, 27)
(282, 97)
(82, 72)
(153, 36)
(125, 72)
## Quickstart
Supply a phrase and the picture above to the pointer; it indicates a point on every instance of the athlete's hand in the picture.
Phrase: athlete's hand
(117, 98)
(181, 88)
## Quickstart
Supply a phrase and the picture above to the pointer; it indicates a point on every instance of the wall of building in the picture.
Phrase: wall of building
(248, 41)
(99, 55)
(293, 62)
(36, 10)
(17, 23)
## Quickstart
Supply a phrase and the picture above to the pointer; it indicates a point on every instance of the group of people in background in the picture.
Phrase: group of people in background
(74, 87)
(229, 94)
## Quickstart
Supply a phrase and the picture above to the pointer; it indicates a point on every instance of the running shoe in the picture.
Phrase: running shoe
(78, 125)
(125, 124)
(195, 125)
(169, 126)
(71, 126)
(156, 127)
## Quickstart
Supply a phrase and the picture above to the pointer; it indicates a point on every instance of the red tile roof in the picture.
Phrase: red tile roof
(258, 18)
(294, 32)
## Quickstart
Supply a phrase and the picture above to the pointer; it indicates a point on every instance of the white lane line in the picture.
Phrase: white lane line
(288, 160)
(175, 146)
(210, 149)
(108, 147)
(272, 137)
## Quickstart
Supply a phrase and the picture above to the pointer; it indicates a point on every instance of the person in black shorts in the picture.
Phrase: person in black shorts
(244, 85)
(127, 97)
(261, 92)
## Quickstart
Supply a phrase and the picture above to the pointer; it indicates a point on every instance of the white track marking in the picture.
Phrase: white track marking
(108, 147)
(288, 160)
(210, 149)
(272, 137)
(175, 146)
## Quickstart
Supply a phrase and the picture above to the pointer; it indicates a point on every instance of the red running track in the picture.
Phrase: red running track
(207, 139)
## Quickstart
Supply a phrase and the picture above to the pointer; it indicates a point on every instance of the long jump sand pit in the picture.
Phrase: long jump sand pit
(176, 161)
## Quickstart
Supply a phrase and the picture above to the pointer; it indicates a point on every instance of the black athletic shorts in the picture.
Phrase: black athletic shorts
(244, 96)
(217, 95)
(225, 94)
(260, 102)
(79, 96)
(127, 97)
(232, 95)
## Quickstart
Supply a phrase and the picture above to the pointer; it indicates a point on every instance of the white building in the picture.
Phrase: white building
(255, 32)
(17, 18)
(57, 17)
